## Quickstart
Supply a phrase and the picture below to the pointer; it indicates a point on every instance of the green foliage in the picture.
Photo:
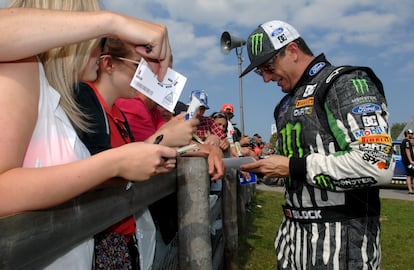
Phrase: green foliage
(273, 139)
(256, 250)
(396, 129)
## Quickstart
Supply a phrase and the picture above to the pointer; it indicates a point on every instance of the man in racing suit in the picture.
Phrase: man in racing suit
(333, 148)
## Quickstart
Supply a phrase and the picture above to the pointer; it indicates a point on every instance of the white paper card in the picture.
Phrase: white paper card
(236, 162)
(193, 108)
(165, 93)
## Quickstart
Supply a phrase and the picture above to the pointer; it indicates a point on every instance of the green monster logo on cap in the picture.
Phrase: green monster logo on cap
(257, 43)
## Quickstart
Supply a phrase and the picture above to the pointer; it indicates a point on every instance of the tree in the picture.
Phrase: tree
(396, 129)
(273, 139)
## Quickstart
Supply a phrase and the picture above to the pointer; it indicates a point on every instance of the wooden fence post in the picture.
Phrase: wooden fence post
(230, 220)
(194, 234)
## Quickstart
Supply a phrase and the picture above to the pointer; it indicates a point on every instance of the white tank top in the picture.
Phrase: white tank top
(54, 141)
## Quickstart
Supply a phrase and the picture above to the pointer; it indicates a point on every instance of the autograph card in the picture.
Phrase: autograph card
(236, 162)
(165, 93)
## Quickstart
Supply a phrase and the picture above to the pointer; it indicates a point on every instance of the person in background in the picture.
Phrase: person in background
(232, 136)
(245, 141)
(228, 110)
(412, 166)
(146, 126)
(146, 118)
(256, 143)
(43, 162)
(239, 144)
(257, 138)
(232, 130)
(332, 148)
(407, 158)
(207, 130)
(146, 121)
(221, 121)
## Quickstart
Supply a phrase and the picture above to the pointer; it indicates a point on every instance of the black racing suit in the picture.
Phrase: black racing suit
(339, 147)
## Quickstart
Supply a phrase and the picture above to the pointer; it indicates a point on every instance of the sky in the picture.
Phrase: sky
(375, 33)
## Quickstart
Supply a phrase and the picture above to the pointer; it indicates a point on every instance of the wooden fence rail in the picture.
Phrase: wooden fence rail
(32, 240)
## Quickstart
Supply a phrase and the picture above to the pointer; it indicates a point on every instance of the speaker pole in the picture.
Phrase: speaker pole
(239, 62)
(227, 43)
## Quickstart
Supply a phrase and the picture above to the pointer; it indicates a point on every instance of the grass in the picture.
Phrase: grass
(256, 244)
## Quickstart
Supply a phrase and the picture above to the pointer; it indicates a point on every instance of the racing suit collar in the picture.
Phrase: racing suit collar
(311, 71)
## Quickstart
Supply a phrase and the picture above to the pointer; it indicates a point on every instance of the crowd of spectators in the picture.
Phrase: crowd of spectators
(212, 129)
(82, 116)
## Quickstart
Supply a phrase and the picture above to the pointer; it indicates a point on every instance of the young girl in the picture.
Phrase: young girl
(221, 120)
(115, 247)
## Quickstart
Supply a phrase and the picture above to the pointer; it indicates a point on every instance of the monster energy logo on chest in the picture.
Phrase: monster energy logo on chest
(361, 85)
(257, 43)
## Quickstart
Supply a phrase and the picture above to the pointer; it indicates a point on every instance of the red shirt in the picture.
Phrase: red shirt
(142, 120)
(118, 137)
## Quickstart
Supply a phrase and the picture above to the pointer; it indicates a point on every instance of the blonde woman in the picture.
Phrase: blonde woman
(42, 161)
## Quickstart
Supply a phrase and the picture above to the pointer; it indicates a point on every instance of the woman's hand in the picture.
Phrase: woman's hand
(214, 156)
(151, 41)
(139, 161)
(178, 132)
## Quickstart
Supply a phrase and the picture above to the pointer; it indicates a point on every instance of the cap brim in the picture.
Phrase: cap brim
(258, 61)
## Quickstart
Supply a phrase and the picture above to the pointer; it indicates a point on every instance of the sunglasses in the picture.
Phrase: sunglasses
(135, 62)
(218, 115)
(123, 131)
(268, 67)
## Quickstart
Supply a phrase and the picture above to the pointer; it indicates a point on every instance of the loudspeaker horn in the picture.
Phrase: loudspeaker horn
(229, 42)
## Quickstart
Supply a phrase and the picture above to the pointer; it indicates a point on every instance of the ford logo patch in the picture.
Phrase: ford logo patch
(316, 68)
(366, 108)
(277, 32)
